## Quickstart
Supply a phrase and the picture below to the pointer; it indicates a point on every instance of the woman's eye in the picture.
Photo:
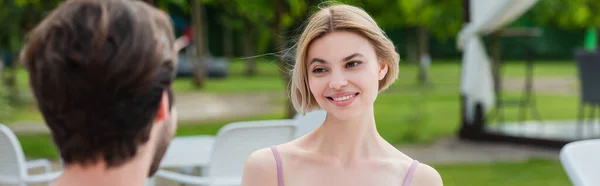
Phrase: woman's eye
(353, 64)
(318, 70)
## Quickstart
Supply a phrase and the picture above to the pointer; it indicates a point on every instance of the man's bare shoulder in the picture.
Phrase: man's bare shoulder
(260, 169)
(426, 175)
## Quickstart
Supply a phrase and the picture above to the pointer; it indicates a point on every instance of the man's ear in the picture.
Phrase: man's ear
(383, 69)
(162, 113)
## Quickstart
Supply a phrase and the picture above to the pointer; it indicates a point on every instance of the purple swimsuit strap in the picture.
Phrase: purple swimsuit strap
(410, 173)
(279, 167)
(407, 179)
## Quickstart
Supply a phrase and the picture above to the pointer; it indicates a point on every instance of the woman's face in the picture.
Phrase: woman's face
(344, 73)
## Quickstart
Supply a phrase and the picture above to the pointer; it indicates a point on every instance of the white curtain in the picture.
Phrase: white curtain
(487, 16)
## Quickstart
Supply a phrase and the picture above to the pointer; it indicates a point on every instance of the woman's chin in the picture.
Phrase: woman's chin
(344, 114)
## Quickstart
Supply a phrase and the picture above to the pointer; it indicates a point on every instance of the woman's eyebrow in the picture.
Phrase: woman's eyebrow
(353, 56)
(322, 61)
(317, 60)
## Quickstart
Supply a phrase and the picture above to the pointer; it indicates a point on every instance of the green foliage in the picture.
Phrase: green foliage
(182, 4)
(18, 17)
(5, 108)
(10, 37)
(567, 14)
(261, 12)
(443, 18)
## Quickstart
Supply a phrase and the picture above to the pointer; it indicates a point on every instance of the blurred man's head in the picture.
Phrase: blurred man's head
(101, 71)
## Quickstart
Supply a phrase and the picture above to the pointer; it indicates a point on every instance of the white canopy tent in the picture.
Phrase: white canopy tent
(485, 17)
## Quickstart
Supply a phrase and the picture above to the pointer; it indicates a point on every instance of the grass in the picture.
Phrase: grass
(24, 113)
(41, 146)
(532, 172)
(542, 69)
(405, 113)
(267, 79)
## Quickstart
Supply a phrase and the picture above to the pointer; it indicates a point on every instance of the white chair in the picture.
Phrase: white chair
(232, 146)
(581, 161)
(13, 166)
(186, 159)
(180, 155)
(309, 122)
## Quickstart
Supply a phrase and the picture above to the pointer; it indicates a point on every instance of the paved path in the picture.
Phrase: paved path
(197, 107)
(452, 150)
(559, 85)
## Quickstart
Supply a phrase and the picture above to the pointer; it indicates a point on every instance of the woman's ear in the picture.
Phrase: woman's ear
(383, 69)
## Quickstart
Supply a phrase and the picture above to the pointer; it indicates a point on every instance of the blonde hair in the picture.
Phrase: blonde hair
(339, 17)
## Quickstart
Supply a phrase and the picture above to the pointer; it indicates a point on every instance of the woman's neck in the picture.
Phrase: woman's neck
(348, 139)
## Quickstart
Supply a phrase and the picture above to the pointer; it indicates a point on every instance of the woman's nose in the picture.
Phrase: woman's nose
(338, 80)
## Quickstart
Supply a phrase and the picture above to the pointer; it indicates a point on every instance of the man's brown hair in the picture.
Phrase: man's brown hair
(98, 70)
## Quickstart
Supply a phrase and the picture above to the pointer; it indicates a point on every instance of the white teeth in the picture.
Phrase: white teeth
(343, 98)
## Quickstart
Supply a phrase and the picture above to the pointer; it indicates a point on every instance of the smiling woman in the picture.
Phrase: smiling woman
(343, 69)
(343, 61)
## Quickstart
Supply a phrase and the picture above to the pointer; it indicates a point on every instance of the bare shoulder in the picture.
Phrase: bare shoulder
(427, 176)
(260, 169)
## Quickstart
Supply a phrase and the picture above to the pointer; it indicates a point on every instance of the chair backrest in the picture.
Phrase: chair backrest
(309, 122)
(581, 160)
(12, 159)
(588, 64)
(236, 141)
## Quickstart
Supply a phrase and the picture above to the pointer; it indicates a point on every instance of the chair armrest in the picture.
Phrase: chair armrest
(43, 178)
(39, 163)
(197, 180)
(182, 178)
(11, 180)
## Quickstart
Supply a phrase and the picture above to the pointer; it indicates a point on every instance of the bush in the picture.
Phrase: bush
(5, 109)
(416, 117)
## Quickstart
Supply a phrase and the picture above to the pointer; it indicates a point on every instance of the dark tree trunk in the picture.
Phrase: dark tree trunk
(279, 39)
(249, 38)
(200, 63)
(412, 49)
(424, 57)
(228, 42)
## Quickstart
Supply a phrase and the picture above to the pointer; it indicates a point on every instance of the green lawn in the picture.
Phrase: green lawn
(41, 146)
(532, 172)
(542, 68)
(405, 113)
(267, 79)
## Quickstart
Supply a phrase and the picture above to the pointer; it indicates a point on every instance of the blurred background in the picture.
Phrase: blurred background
(236, 69)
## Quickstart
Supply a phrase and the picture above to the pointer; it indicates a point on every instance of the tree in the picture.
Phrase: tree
(200, 62)
(274, 17)
(440, 18)
(424, 18)
(199, 48)
(17, 17)
(280, 17)
(568, 14)
(247, 17)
